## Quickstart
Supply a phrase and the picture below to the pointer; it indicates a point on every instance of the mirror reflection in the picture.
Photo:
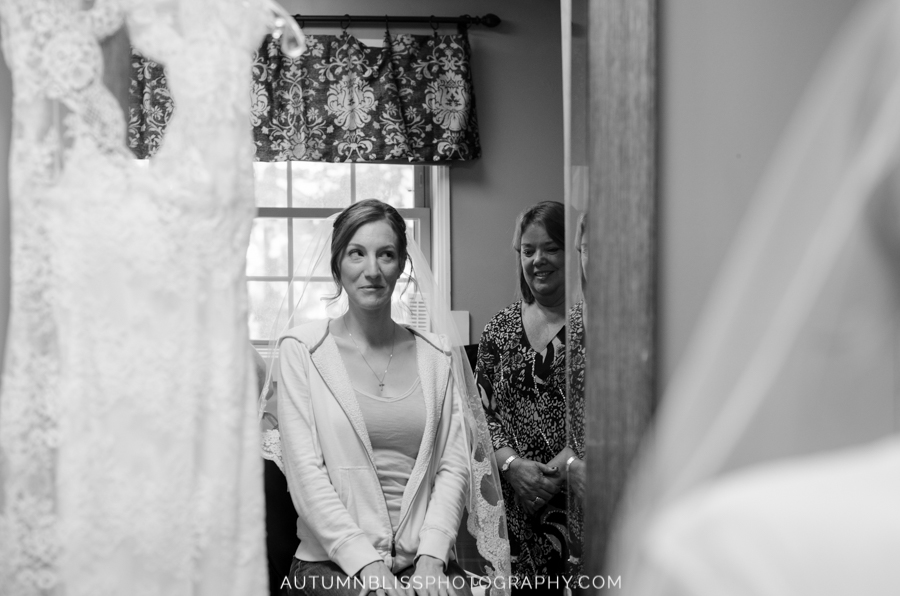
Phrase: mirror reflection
(364, 286)
(522, 373)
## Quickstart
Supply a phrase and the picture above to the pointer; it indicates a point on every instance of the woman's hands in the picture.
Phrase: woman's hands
(535, 483)
(378, 579)
(575, 476)
(429, 578)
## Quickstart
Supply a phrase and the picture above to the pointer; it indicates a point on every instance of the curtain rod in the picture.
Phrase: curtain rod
(488, 20)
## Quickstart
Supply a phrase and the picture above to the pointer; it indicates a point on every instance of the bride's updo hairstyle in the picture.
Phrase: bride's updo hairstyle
(352, 219)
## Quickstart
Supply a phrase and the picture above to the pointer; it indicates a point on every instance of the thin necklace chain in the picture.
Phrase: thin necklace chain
(390, 358)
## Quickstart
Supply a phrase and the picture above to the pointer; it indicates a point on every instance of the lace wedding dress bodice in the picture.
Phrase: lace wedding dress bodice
(129, 448)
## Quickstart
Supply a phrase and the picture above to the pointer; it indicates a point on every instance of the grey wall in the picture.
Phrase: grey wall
(518, 84)
(5, 126)
(518, 78)
(732, 72)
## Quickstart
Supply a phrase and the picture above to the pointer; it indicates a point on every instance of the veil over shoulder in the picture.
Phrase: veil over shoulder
(418, 303)
(796, 356)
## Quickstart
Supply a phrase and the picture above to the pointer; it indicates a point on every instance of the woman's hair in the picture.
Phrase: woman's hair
(580, 233)
(580, 229)
(352, 219)
(551, 216)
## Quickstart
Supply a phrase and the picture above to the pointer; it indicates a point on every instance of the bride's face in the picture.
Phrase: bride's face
(371, 266)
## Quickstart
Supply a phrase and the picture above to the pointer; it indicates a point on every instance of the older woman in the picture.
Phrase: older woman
(372, 431)
(522, 371)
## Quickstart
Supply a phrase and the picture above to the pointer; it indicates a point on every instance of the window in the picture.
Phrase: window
(293, 200)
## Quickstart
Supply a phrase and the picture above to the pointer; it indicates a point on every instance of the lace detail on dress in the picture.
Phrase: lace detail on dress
(128, 445)
(271, 447)
(487, 515)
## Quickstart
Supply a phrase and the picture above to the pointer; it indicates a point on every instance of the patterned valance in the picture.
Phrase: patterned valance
(411, 99)
(150, 108)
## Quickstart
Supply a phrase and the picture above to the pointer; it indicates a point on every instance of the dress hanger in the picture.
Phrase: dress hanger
(294, 43)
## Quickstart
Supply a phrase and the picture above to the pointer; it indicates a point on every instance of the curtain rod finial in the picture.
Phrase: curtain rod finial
(490, 20)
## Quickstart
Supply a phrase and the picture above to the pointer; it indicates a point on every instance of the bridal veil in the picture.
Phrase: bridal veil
(795, 361)
(419, 303)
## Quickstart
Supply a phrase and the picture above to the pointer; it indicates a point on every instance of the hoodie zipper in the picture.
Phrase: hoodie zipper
(387, 511)
(374, 467)
(384, 500)
(437, 424)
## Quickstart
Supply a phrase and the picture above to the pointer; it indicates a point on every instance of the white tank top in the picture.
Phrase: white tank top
(395, 425)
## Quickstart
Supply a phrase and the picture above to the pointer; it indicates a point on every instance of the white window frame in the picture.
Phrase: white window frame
(439, 198)
(432, 210)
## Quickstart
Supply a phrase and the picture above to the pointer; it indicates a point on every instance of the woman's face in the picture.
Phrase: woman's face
(544, 265)
(371, 266)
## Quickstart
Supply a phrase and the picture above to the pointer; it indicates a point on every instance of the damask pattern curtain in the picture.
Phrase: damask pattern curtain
(341, 101)
(151, 106)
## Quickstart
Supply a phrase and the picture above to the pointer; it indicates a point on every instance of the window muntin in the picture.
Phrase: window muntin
(293, 200)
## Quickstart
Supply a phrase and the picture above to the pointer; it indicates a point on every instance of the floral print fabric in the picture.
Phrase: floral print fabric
(525, 396)
(151, 106)
(341, 101)
(576, 369)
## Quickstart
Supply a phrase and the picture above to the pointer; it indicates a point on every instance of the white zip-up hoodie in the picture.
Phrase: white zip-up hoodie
(328, 459)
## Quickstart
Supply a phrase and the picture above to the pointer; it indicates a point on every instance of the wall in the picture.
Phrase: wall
(732, 71)
(518, 85)
(5, 130)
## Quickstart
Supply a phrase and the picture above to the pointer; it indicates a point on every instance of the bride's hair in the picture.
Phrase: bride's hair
(352, 219)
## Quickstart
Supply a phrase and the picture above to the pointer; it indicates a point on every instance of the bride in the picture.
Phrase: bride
(375, 420)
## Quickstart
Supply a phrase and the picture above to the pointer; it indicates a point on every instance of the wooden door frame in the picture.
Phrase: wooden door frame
(622, 218)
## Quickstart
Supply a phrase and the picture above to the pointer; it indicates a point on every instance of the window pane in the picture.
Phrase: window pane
(268, 251)
(313, 304)
(393, 184)
(413, 311)
(306, 233)
(316, 303)
(320, 184)
(271, 184)
(265, 300)
(412, 229)
(408, 305)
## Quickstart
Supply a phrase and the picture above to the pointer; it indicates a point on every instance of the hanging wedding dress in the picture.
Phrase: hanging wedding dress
(774, 465)
(128, 435)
